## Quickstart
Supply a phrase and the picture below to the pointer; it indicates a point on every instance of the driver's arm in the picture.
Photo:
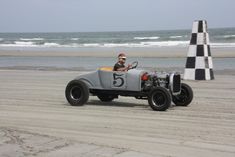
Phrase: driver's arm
(117, 67)
(124, 69)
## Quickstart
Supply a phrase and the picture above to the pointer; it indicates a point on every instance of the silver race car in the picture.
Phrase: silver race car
(160, 89)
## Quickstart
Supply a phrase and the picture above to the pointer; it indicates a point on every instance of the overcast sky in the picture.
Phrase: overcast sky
(112, 15)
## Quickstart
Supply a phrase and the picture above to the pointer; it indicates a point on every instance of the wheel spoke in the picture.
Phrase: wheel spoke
(76, 93)
(159, 99)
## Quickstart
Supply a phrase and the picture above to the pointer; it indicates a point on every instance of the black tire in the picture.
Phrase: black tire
(77, 93)
(159, 99)
(185, 97)
(106, 98)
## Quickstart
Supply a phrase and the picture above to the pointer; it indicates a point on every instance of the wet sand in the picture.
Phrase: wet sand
(113, 52)
(36, 120)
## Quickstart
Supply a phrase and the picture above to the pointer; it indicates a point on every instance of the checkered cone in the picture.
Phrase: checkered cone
(199, 61)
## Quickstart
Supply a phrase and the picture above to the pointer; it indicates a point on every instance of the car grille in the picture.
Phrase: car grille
(176, 83)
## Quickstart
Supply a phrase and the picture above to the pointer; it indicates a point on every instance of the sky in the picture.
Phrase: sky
(112, 15)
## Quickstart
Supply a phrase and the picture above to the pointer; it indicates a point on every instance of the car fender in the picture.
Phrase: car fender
(91, 79)
(87, 82)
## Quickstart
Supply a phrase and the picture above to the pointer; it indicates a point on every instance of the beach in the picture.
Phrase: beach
(36, 119)
(90, 59)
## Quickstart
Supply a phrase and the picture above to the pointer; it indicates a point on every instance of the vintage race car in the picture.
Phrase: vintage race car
(160, 89)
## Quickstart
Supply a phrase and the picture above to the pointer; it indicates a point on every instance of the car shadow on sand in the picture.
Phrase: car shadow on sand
(116, 104)
(123, 104)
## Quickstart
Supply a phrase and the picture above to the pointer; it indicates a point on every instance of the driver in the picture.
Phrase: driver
(120, 65)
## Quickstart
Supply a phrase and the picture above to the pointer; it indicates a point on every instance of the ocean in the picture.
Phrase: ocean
(222, 37)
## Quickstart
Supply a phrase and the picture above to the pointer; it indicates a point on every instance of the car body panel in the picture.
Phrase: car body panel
(113, 80)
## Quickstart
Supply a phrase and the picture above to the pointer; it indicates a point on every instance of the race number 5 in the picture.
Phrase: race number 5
(118, 80)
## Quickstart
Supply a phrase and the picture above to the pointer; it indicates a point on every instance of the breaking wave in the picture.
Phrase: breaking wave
(75, 39)
(31, 39)
(229, 36)
(108, 45)
(146, 38)
(175, 37)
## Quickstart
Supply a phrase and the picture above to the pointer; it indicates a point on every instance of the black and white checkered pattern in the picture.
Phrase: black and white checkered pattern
(199, 61)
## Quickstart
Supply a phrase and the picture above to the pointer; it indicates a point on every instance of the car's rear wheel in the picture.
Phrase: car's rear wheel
(159, 99)
(106, 98)
(77, 93)
(185, 97)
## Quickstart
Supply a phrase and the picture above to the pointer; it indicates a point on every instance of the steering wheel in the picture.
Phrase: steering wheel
(134, 65)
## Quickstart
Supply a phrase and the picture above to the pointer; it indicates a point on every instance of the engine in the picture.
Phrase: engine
(170, 81)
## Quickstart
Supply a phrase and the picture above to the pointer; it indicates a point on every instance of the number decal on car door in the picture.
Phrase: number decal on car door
(118, 80)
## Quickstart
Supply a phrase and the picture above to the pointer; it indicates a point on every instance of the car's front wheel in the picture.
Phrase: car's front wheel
(159, 99)
(185, 97)
(77, 93)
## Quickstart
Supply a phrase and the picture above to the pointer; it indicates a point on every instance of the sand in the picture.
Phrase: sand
(113, 52)
(36, 120)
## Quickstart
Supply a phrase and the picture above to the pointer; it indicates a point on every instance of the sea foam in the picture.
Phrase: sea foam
(24, 44)
(222, 45)
(165, 43)
(75, 39)
(229, 36)
(31, 39)
(146, 38)
(174, 37)
(51, 45)
(113, 45)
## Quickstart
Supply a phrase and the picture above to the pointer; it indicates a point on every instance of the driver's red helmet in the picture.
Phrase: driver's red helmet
(122, 55)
